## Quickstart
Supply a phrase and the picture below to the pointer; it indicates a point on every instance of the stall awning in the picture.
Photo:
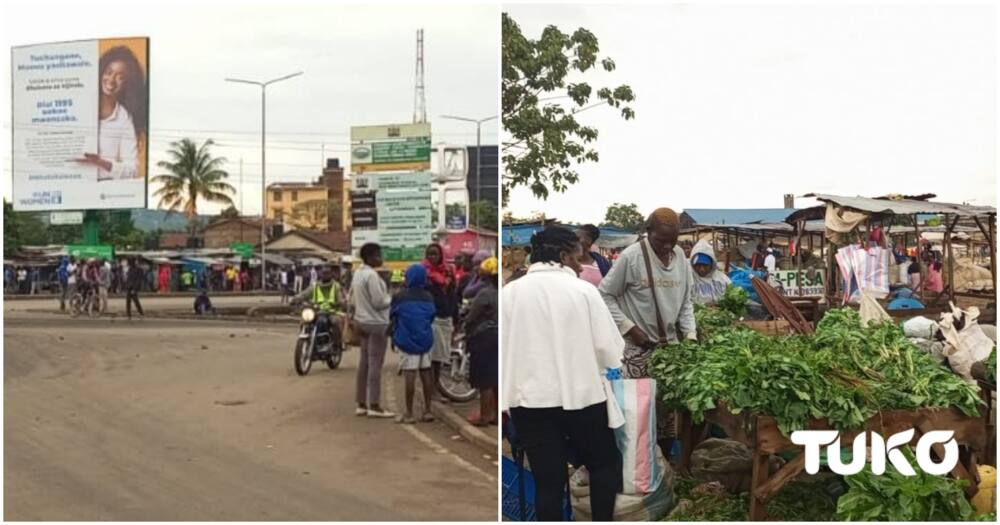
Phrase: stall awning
(890, 207)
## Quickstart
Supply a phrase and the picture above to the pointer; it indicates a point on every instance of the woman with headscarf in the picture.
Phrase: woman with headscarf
(442, 285)
(481, 340)
(709, 284)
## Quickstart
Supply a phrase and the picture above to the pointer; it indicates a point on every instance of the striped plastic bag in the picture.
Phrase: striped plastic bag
(636, 439)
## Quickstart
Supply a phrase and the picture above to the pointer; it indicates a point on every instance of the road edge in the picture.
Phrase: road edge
(467, 430)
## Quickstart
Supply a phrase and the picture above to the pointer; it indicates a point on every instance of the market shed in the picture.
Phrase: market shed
(853, 219)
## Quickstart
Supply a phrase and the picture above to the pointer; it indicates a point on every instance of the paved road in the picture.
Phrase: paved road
(116, 305)
(186, 420)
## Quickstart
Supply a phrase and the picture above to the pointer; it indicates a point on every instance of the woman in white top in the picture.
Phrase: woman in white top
(123, 114)
(558, 337)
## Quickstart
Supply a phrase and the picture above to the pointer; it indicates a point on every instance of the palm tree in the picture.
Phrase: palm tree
(193, 174)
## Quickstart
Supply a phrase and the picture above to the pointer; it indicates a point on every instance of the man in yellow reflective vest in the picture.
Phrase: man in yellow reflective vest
(324, 295)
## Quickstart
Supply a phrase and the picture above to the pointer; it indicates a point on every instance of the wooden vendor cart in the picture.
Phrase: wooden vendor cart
(761, 435)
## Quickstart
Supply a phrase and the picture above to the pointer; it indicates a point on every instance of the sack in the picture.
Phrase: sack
(920, 327)
(871, 311)
(636, 439)
(726, 462)
(966, 346)
(652, 506)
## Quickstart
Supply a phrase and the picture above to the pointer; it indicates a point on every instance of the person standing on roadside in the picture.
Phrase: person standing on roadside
(371, 300)
(558, 337)
(412, 315)
(481, 341)
(22, 280)
(134, 280)
(63, 273)
(442, 285)
(103, 285)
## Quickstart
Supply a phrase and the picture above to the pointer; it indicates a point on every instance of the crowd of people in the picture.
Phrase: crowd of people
(569, 316)
(421, 320)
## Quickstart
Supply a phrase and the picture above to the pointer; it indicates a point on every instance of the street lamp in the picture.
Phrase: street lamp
(263, 167)
(479, 160)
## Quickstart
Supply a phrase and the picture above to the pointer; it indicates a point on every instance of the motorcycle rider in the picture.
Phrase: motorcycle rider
(325, 295)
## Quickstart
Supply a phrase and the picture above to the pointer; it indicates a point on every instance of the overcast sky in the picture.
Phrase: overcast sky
(739, 105)
(358, 60)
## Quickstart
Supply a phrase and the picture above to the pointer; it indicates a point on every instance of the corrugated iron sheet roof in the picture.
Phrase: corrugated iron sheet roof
(905, 206)
(705, 216)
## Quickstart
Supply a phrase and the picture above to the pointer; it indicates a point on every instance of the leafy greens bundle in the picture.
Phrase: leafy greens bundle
(844, 372)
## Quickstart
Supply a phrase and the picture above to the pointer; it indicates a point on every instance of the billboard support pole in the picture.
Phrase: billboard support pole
(91, 230)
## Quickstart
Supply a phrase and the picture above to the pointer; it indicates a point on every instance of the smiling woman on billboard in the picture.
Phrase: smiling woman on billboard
(122, 111)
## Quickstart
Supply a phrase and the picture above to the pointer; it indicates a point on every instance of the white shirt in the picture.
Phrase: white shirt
(558, 337)
(71, 274)
(117, 144)
(770, 263)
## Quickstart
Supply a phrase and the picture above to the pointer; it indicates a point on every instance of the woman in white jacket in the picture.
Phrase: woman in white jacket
(709, 284)
(558, 337)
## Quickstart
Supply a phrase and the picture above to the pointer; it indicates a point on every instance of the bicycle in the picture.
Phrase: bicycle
(85, 301)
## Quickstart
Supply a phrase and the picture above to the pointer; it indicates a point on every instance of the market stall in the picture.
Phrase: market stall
(869, 222)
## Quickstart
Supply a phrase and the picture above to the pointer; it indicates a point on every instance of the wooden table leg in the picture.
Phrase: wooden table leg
(758, 506)
(686, 435)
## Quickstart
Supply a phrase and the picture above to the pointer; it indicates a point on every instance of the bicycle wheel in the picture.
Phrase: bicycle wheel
(75, 305)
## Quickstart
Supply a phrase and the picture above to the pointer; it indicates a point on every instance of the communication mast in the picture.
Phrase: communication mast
(419, 102)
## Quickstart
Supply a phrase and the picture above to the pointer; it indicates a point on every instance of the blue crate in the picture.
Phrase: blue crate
(510, 494)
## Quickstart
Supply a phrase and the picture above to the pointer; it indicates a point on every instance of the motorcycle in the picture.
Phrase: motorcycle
(315, 342)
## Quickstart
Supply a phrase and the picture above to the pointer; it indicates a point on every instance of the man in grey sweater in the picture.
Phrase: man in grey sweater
(628, 295)
(370, 299)
(627, 292)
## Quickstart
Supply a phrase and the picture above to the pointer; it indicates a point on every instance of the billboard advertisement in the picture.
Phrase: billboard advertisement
(81, 124)
(391, 147)
(393, 210)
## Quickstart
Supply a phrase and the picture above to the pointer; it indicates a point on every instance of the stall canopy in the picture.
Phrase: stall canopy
(889, 206)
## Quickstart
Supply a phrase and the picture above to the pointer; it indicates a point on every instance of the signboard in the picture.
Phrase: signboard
(80, 134)
(391, 147)
(243, 249)
(395, 212)
(87, 251)
(813, 282)
(62, 218)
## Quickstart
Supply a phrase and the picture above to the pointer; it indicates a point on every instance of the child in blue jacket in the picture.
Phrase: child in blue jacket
(412, 316)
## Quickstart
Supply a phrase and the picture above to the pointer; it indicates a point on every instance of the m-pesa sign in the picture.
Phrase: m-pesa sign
(813, 282)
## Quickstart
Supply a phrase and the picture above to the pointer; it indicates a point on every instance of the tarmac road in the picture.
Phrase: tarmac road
(206, 420)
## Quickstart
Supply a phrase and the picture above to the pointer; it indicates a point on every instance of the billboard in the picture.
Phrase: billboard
(812, 282)
(391, 147)
(81, 124)
(393, 210)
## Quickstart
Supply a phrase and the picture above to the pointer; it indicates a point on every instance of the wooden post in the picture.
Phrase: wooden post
(758, 477)
(920, 263)
(798, 255)
(951, 259)
(989, 234)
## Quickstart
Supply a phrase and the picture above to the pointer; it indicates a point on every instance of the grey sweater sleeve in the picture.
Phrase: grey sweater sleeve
(612, 287)
(686, 315)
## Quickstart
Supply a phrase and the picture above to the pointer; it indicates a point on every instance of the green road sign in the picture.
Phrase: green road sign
(87, 251)
(243, 249)
(405, 253)
(410, 150)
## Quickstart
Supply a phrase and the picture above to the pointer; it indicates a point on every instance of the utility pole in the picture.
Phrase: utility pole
(263, 167)
(241, 186)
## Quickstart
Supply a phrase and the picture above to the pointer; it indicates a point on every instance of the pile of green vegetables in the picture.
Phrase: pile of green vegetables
(807, 498)
(844, 372)
(895, 497)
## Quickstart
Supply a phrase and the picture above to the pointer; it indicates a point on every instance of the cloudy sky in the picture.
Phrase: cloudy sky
(358, 62)
(739, 105)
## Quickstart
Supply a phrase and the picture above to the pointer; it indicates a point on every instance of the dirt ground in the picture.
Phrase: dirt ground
(206, 420)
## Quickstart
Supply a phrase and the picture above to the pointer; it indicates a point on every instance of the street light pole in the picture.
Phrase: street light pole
(479, 160)
(263, 167)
